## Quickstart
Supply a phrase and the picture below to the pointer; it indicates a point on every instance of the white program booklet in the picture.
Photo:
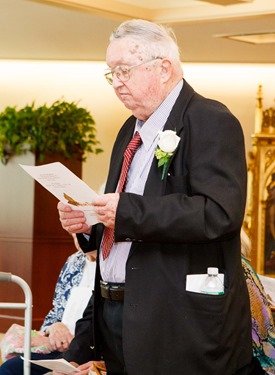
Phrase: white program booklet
(60, 365)
(65, 186)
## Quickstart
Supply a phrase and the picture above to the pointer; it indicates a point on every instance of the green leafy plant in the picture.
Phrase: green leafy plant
(62, 128)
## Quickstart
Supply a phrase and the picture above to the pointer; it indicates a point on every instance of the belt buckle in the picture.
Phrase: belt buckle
(110, 291)
(106, 287)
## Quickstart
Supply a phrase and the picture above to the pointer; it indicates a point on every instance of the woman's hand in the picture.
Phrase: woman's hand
(37, 339)
(87, 367)
(84, 368)
(41, 340)
(99, 364)
(59, 336)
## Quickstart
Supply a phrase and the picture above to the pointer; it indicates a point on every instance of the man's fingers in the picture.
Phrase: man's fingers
(63, 207)
(73, 221)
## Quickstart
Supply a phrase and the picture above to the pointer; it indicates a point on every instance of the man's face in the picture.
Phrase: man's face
(140, 91)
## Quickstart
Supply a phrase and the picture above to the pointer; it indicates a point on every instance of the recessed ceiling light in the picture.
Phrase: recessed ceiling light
(259, 38)
(226, 2)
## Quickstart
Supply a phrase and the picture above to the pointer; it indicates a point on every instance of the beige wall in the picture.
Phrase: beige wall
(22, 83)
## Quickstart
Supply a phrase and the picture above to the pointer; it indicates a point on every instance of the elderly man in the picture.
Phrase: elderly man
(173, 206)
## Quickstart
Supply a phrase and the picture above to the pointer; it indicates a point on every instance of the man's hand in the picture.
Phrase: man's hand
(73, 221)
(105, 207)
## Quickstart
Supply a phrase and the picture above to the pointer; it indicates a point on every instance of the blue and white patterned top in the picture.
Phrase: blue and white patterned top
(69, 277)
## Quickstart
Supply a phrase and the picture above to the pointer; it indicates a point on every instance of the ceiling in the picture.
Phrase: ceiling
(80, 29)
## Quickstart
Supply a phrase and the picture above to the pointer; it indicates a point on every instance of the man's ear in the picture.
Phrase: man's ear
(166, 69)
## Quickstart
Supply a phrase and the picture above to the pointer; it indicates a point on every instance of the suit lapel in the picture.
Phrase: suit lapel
(174, 122)
(175, 119)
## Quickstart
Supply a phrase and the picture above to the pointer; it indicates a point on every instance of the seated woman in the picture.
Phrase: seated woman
(75, 284)
(263, 329)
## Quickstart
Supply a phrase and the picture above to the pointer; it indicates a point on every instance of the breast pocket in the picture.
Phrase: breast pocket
(177, 184)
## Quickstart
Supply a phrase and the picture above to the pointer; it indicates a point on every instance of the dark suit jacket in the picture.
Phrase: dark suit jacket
(189, 221)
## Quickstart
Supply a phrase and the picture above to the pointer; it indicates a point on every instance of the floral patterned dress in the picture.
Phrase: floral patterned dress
(69, 277)
(263, 329)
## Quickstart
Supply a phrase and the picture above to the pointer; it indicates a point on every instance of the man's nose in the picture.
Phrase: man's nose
(116, 82)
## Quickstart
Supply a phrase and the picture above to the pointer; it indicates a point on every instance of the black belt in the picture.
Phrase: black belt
(112, 291)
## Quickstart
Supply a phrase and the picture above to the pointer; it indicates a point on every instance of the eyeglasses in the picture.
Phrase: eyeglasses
(122, 72)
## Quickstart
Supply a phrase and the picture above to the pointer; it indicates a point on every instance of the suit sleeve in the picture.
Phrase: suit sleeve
(90, 242)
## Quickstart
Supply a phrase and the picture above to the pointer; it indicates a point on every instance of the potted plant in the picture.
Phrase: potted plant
(62, 128)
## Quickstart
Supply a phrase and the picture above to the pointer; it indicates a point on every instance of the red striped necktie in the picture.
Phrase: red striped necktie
(129, 153)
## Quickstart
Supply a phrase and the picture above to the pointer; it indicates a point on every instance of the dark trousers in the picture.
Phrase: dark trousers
(110, 324)
(254, 368)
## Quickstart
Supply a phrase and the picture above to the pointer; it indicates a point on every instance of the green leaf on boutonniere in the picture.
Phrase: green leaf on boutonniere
(167, 145)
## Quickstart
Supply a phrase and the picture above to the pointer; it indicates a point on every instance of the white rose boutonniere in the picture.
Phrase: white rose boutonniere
(167, 144)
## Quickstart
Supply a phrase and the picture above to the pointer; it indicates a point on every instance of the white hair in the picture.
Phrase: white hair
(157, 40)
